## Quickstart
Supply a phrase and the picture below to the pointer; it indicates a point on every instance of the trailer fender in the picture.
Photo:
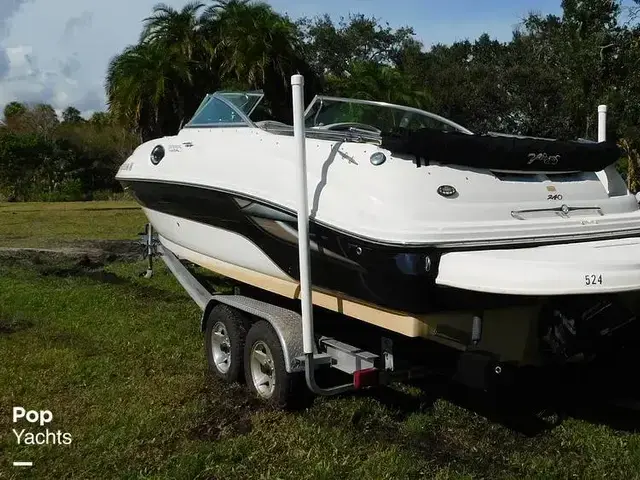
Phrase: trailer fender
(205, 313)
(286, 323)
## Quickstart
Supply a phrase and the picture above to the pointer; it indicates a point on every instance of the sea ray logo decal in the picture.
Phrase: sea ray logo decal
(553, 193)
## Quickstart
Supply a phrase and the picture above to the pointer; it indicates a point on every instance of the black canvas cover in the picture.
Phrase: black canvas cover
(502, 152)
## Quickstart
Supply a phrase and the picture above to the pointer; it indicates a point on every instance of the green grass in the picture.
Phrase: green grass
(56, 224)
(119, 361)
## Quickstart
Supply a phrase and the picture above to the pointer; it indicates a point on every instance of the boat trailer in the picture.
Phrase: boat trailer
(264, 341)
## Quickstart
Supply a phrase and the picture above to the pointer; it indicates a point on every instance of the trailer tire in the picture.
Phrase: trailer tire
(224, 354)
(265, 372)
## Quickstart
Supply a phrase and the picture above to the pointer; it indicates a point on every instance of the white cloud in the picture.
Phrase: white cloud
(28, 82)
(58, 51)
(21, 61)
(8, 8)
(4, 63)
(69, 66)
(74, 23)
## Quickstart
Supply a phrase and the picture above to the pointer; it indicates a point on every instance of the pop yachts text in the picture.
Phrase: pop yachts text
(41, 418)
(47, 437)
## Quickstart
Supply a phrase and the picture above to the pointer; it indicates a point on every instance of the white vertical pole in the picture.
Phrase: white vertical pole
(297, 86)
(602, 123)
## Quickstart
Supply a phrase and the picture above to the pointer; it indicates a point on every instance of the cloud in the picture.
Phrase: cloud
(70, 66)
(60, 79)
(8, 8)
(5, 63)
(93, 101)
(27, 81)
(22, 61)
(74, 23)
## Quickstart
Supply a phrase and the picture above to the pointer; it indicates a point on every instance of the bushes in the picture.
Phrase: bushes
(68, 162)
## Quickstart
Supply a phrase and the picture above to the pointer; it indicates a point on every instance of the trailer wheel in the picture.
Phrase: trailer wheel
(224, 342)
(264, 368)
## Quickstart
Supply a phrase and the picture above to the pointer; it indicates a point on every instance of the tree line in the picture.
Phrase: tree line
(44, 158)
(546, 81)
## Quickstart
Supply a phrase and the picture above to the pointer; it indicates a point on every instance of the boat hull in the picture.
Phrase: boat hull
(213, 242)
(260, 237)
(253, 243)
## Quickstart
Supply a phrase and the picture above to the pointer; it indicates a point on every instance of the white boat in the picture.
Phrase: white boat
(416, 224)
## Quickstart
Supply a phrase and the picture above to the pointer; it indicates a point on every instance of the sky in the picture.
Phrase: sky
(57, 51)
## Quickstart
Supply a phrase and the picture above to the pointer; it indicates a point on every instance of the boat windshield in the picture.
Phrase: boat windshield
(334, 113)
(226, 109)
(325, 116)
(245, 101)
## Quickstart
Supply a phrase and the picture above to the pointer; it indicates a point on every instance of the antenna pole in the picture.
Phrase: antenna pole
(308, 340)
(602, 123)
(297, 85)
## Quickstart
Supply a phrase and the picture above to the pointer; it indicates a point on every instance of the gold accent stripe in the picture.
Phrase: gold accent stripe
(405, 324)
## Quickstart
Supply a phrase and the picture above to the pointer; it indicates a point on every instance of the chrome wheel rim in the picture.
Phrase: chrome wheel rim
(221, 347)
(263, 372)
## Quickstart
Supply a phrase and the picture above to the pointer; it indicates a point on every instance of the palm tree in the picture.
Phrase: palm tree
(261, 49)
(143, 85)
(175, 30)
(252, 39)
(182, 55)
(187, 35)
(158, 83)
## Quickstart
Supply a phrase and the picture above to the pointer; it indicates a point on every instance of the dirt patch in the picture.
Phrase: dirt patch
(114, 249)
(96, 251)
(10, 324)
(94, 270)
(89, 270)
(228, 411)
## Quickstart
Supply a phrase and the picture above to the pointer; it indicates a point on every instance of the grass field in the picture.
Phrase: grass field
(58, 224)
(119, 361)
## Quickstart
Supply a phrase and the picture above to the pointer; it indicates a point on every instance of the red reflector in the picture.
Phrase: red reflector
(365, 378)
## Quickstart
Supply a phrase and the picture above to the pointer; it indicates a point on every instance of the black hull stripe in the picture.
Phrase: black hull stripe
(441, 246)
(280, 208)
(392, 277)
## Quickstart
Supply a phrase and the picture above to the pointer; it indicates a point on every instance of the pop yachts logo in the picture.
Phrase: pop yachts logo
(543, 158)
(38, 418)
